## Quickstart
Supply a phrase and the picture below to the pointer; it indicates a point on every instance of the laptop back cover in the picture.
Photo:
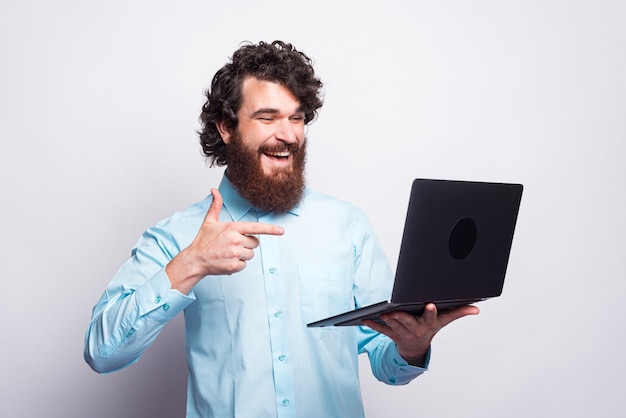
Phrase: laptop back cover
(457, 240)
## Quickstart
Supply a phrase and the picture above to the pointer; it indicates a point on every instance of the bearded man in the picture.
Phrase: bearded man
(257, 260)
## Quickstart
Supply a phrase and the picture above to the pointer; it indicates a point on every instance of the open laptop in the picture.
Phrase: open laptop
(455, 248)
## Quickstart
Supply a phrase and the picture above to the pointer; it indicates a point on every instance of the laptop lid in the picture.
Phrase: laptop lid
(456, 241)
(455, 247)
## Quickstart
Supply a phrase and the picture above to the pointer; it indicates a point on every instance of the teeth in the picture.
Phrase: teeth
(279, 154)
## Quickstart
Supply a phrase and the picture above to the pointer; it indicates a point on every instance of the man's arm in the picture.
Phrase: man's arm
(135, 306)
(156, 284)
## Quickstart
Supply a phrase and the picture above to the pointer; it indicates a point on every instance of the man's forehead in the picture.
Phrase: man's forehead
(258, 93)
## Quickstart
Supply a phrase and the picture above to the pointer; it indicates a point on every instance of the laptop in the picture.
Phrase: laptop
(455, 248)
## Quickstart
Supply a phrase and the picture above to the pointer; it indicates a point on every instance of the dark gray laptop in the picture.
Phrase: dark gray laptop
(455, 248)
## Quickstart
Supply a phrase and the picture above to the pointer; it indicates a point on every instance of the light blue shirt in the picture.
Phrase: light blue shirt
(249, 351)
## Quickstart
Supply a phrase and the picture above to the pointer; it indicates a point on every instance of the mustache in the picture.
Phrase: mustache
(282, 147)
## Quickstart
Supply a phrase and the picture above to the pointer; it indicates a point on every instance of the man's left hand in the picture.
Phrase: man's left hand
(413, 335)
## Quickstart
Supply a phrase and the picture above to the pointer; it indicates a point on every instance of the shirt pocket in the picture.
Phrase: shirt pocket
(325, 290)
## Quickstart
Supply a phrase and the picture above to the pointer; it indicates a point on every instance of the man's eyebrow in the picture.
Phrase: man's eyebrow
(271, 111)
(264, 111)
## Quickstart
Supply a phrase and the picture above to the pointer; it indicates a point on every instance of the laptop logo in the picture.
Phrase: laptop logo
(462, 238)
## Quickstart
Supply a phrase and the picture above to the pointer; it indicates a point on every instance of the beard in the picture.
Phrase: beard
(277, 192)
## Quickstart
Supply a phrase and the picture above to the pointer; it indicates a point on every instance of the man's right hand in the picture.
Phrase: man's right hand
(218, 248)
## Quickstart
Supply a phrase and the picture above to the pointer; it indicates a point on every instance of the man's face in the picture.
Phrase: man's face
(266, 154)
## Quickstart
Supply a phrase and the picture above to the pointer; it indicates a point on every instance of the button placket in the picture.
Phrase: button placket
(275, 294)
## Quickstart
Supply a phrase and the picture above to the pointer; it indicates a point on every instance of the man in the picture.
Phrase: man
(257, 260)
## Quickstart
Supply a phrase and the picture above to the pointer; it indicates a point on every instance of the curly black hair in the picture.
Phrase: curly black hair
(278, 62)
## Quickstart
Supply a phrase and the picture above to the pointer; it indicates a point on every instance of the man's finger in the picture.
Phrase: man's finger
(258, 228)
(244, 228)
(430, 314)
(457, 313)
(213, 215)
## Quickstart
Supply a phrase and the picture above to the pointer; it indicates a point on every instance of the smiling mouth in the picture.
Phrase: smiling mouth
(281, 155)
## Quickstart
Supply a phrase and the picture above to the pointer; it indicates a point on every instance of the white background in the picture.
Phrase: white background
(98, 111)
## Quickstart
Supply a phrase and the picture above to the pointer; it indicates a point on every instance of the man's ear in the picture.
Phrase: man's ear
(222, 128)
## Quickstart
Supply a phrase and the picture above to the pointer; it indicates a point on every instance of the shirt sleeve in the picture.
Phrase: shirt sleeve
(372, 283)
(135, 306)
(387, 365)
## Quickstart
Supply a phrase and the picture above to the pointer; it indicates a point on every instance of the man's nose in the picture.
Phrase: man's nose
(288, 131)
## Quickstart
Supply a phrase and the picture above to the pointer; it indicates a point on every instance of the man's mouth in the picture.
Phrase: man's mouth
(281, 155)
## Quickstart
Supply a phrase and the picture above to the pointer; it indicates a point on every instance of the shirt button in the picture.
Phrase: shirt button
(166, 307)
(272, 270)
(157, 299)
(285, 402)
(277, 314)
(281, 357)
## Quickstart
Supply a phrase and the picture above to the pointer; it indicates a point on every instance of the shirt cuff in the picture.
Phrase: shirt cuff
(406, 372)
(157, 298)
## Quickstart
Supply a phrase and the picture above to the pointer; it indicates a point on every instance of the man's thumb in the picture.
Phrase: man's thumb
(213, 215)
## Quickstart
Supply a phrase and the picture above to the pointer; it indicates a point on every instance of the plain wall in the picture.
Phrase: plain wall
(98, 116)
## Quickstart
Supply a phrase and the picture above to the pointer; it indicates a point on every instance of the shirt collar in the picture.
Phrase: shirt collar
(238, 206)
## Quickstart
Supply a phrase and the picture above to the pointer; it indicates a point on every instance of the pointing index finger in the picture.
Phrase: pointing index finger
(259, 228)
